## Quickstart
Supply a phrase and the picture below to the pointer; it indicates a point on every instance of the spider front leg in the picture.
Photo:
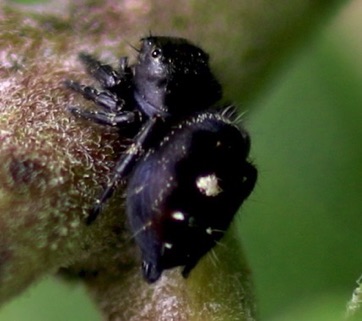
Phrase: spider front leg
(126, 163)
(121, 120)
(105, 99)
(113, 113)
(105, 74)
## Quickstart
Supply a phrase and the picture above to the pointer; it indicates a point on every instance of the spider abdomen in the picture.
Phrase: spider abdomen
(184, 193)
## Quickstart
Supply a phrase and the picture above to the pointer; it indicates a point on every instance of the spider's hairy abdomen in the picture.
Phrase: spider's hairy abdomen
(183, 194)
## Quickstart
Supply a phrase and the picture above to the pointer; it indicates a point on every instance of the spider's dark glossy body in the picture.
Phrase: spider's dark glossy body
(187, 170)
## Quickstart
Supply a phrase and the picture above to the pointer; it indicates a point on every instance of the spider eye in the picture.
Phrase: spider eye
(156, 53)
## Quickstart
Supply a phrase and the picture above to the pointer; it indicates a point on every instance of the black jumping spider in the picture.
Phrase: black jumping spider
(187, 171)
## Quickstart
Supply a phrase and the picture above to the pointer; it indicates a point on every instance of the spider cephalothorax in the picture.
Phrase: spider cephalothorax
(187, 170)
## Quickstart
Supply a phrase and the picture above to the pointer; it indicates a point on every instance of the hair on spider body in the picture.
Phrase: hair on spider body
(187, 170)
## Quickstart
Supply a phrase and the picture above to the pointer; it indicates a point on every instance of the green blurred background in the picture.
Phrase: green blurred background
(301, 228)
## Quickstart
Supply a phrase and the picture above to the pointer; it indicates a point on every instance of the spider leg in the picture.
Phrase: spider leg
(126, 163)
(104, 74)
(104, 99)
(120, 119)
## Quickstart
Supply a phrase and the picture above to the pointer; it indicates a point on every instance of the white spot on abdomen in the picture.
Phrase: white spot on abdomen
(208, 185)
